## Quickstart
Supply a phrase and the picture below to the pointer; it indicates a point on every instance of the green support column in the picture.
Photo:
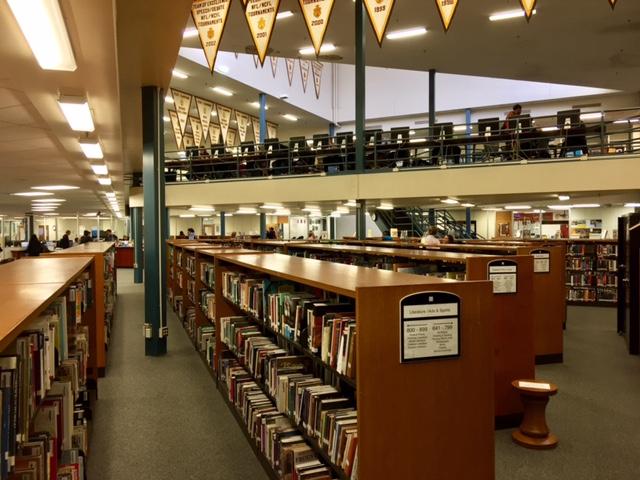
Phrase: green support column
(263, 226)
(361, 219)
(332, 228)
(432, 97)
(155, 343)
(468, 222)
(262, 100)
(360, 84)
(222, 225)
(136, 231)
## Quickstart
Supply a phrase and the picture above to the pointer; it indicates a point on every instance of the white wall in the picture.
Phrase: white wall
(608, 215)
(346, 227)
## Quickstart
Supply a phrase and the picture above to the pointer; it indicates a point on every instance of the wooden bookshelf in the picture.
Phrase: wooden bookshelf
(426, 419)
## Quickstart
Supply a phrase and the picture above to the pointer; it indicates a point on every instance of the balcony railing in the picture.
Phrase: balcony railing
(566, 136)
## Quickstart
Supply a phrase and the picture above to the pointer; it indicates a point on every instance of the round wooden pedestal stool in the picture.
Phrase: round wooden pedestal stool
(534, 432)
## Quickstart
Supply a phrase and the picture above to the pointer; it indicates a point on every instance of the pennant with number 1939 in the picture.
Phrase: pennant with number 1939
(316, 15)
(261, 18)
(379, 14)
(528, 6)
(210, 18)
(447, 10)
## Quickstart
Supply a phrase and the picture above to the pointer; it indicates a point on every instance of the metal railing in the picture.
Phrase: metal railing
(561, 137)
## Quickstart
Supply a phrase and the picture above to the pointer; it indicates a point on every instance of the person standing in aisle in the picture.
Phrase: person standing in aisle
(86, 237)
(430, 238)
(65, 241)
(192, 233)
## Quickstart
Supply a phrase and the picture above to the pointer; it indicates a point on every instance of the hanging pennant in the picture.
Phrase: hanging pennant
(613, 3)
(244, 3)
(256, 60)
(175, 126)
(255, 124)
(447, 10)
(231, 138)
(182, 102)
(188, 141)
(379, 14)
(204, 107)
(316, 67)
(291, 63)
(274, 65)
(224, 117)
(210, 18)
(214, 134)
(272, 130)
(528, 6)
(261, 18)
(243, 124)
(304, 73)
(316, 15)
(196, 129)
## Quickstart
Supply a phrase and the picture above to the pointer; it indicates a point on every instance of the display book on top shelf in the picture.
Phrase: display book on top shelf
(592, 272)
(45, 390)
(337, 371)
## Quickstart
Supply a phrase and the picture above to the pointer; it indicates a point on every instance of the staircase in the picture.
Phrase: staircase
(416, 221)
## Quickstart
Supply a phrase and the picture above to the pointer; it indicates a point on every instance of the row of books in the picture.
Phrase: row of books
(607, 264)
(206, 342)
(208, 274)
(580, 263)
(190, 321)
(191, 290)
(208, 304)
(110, 291)
(607, 250)
(586, 279)
(190, 265)
(607, 279)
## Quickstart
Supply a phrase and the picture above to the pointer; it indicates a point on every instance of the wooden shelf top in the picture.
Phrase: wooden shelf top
(276, 243)
(195, 246)
(333, 277)
(213, 251)
(39, 270)
(89, 247)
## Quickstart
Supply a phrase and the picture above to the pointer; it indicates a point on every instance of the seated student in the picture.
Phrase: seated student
(35, 247)
(516, 111)
(312, 235)
(191, 233)
(109, 236)
(430, 238)
(271, 234)
(86, 237)
(65, 242)
(448, 239)
(181, 235)
(386, 236)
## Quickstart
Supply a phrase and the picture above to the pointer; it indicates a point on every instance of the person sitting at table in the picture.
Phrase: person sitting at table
(86, 237)
(191, 233)
(430, 238)
(271, 234)
(109, 236)
(312, 235)
(386, 236)
(35, 247)
(65, 242)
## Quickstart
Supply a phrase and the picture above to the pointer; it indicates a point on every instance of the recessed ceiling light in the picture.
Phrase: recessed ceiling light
(491, 209)
(76, 111)
(385, 206)
(179, 74)
(51, 214)
(43, 26)
(110, 194)
(100, 169)
(188, 215)
(509, 14)
(55, 187)
(564, 198)
(290, 117)
(325, 48)
(190, 33)
(48, 200)
(586, 205)
(257, 105)
(537, 210)
(632, 205)
(32, 194)
(168, 99)
(283, 15)
(93, 214)
(104, 181)
(406, 33)
(202, 208)
(91, 148)
(222, 91)
(558, 207)
(450, 201)
(45, 205)
(351, 203)
(467, 205)
(246, 211)
(517, 207)
(271, 206)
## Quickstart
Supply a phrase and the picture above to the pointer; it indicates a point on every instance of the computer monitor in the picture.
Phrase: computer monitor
(400, 134)
(217, 149)
(247, 147)
(488, 126)
(442, 131)
(320, 141)
(298, 143)
(569, 119)
(520, 124)
(344, 139)
(372, 137)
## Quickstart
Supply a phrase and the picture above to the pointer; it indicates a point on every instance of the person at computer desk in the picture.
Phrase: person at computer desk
(515, 112)
(86, 237)
(36, 247)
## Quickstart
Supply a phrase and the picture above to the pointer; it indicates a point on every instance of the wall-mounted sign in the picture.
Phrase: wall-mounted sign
(243, 123)
(255, 124)
(272, 130)
(224, 117)
(317, 14)
(210, 18)
(261, 18)
(504, 275)
(214, 134)
(379, 14)
(204, 107)
(175, 126)
(196, 129)
(541, 261)
(291, 64)
(182, 102)
(528, 6)
(447, 10)
(305, 65)
(316, 68)
(429, 326)
(274, 65)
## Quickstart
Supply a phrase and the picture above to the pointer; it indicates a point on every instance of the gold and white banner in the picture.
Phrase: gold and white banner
(317, 14)
(291, 65)
(613, 3)
(182, 102)
(188, 141)
(214, 134)
(447, 10)
(261, 18)
(224, 117)
(305, 65)
(244, 3)
(317, 76)
(528, 6)
(243, 122)
(196, 129)
(231, 137)
(379, 14)
(204, 107)
(274, 65)
(210, 18)
(255, 125)
(272, 130)
(175, 126)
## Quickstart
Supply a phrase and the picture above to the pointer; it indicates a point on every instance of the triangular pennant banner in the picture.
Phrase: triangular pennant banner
(243, 123)
(317, 76)
(291, 64)
(256, 60)
(224, 117)
(231, 138)
(244, 3)
(379, 14)
(214, 134)
(272, 130)
(304, 73)
(188, 141)
(196, 129)
(210, 18)
(182, 102)
(528, 6)
(447, 10)
(274, 65)
(613, 3)
(317, 14)
(255, 124)
(261, 18)
(175, 126)
(204, 107)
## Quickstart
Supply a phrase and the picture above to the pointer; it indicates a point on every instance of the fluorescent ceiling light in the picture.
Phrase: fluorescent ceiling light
(409, 32)
(51, 214)
(559, 207)
(43, 26)
(283, 213)
(509, 14)
(179, 74)
(48, 200)
(491, 209)
(93, 214)
(187, 215)
(55, 187)
(246, 211)
(222, 91)
(537, 211)
(42, 209)
(257, 105)
(32, 194)
(91, 148)
(586, 205)
(166, 119)
(311, 209)
(564, 198)
(76, 111)
(342, 210)
(550, 129)
(460, 128)
(412, 132)
(591, 116)
(632, 205)
(350, 203)
(104, 181)
(325, 48)
(100, 170)
(450, 201)
(517, 207)
(283, 15)
(202, 208)
(290, 117)
(467, 205)
(168, 99)
(271, 206)
(417, 140)
(110, 194)
(385, 206)
(335, 215)
(190, 33)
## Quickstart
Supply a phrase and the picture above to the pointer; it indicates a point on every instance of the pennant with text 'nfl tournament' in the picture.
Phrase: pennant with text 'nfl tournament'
(204, 107)
(317, 14)
(210, 18)
(379, 14)
(196, 129)
(182, 102)
(175, 126)
(447, 10)
(224, 117)
(291, 64)
(261, 18)
(528, 6)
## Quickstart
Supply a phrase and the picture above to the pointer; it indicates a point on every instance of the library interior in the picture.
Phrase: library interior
(320, 240)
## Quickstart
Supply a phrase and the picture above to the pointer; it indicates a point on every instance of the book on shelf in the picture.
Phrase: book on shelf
(208, 274)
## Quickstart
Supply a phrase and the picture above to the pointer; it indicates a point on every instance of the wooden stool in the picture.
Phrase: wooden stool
(534, 432)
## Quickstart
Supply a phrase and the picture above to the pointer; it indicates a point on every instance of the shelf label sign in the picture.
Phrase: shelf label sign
(447, 10)
(379, 14)
(305, 65)
(541, 261)
(243, 124)
(528, 6)
(317, 14)
(204, 107)
(175, 126)
(182, 102)
(196, 129)
(429, 326)
(291, 63)
(214, 133)
(224, 117)
(261, 18)
(504, 275)
(255, 124)
(210, 18)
